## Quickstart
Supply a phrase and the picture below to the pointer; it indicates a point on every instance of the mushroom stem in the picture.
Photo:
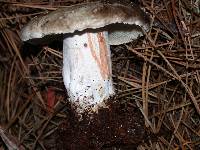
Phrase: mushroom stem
(87, 70)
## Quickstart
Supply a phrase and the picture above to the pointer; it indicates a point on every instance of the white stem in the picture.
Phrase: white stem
(87, 70)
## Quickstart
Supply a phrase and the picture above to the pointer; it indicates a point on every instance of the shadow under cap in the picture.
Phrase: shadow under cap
(117, 34)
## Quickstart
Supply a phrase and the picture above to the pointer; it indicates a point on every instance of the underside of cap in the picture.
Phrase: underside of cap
(83, 16)
(121, 34)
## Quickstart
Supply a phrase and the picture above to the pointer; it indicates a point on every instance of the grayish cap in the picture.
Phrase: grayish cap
(89, 16)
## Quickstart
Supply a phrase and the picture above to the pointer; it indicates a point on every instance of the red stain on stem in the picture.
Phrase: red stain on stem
(103, 54)
(102, 62)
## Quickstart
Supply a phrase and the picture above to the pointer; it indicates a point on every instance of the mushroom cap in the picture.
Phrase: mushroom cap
(86, 16)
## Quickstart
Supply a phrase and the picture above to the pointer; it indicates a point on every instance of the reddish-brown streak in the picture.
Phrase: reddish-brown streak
(101, 63)
(103, 54)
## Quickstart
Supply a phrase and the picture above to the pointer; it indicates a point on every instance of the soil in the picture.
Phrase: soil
(121, 126)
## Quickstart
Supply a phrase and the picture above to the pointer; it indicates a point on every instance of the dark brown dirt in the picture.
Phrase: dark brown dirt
(119, 126)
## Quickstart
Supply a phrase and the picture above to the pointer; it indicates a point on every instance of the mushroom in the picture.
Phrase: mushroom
(88, 30)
